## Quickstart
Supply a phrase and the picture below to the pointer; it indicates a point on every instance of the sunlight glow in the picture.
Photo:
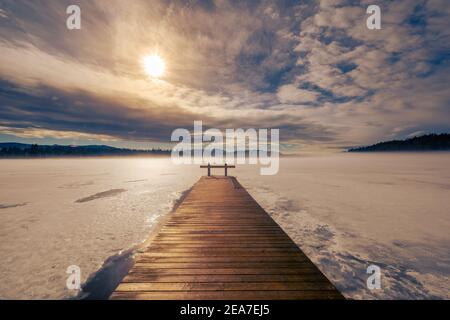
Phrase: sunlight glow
(154, 66)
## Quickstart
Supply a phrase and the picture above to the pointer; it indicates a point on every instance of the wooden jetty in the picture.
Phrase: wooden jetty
(220, 244)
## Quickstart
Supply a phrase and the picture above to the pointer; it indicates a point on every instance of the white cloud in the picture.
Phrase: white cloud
(3, 14)
(331, 3)
(38, 133)
(291, 94)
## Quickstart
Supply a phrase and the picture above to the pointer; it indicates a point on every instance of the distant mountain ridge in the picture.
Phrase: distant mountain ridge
(429, 142)
(14, 149)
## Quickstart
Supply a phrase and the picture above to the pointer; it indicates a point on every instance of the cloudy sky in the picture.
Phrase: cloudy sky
(308, 67)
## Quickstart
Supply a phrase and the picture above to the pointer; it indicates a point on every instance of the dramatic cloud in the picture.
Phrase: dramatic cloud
(291, 94)
(310, 68)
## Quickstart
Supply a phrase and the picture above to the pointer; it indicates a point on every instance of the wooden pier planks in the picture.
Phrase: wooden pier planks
(220, 244)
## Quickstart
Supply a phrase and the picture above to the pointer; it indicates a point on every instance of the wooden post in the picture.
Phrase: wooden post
(226, 170)
(209, 170)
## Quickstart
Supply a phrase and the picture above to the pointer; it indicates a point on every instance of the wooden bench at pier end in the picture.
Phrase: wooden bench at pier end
(217, 167)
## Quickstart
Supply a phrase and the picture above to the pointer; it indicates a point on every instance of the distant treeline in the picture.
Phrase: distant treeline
(430, 142)
(35, 150)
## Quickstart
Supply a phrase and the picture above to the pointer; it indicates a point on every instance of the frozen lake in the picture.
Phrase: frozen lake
(346, 211)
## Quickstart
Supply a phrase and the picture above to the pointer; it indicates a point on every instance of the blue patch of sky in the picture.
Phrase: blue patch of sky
(346, 66)
(329, 96)
(262, 44)
(346, 41)
(439, 61)
(352, 3)
(326, 38)
(440, 58)
(276, 78)
(418, 18)
(394, 57)
(249, 5)
(325, 95)
(340, 37)
(206, 4)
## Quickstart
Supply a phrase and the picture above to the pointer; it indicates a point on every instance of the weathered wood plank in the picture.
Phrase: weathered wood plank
(219, 265)
(228, 295)
(145, 278)
(227, 259)
(225, 286)
(213, 246)
(299, 269)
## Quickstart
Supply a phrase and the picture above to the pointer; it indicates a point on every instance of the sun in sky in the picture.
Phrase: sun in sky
(154, 65)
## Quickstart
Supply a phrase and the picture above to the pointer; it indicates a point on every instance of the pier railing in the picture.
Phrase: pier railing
(209, 167)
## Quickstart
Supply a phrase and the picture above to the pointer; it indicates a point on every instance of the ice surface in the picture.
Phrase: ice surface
(348, 211)
(39, 240)
(345, 211)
